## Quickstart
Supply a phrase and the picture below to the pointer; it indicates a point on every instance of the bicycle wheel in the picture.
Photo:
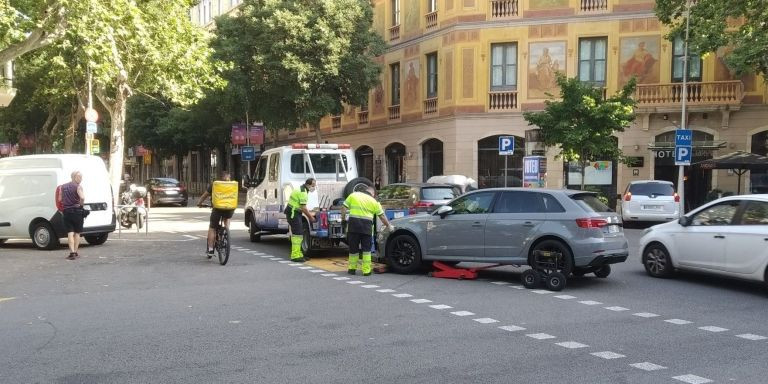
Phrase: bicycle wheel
(223, 245)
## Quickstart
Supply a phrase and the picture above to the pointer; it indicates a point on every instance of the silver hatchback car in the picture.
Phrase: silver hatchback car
(510, 226)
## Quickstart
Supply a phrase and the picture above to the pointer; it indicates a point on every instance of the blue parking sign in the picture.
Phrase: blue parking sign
(506, 145)
(683, 137)
(683, 155)
(248, 153)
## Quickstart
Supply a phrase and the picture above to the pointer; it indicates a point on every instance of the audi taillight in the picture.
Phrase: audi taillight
(628, 196)
(591, 223)
(677, 198)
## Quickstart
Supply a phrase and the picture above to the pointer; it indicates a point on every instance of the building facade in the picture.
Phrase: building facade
(460, 73)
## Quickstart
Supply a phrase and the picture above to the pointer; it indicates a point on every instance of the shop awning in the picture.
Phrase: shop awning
(740, 162)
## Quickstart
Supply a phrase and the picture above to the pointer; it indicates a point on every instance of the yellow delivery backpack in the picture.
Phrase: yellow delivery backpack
(224, 194)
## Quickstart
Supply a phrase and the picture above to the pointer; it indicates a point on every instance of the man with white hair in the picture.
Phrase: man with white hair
(72, 199)
(363, 209)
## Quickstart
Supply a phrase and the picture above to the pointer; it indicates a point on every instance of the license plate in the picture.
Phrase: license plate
(653, 207)
(335, 217)
(613, 229)
(171, 192)
(399, 214)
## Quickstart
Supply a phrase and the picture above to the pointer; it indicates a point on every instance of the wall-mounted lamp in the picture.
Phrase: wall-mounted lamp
(637, 147)
(665, 117)
(410, 155)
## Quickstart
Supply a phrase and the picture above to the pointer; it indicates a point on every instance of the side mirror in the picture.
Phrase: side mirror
(684, 221)
(246, 181)
(443, 211)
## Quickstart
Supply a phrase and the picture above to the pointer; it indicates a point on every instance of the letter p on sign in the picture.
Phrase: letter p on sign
(506, 145)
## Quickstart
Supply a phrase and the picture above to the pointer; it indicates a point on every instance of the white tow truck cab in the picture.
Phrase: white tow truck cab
(281, 170)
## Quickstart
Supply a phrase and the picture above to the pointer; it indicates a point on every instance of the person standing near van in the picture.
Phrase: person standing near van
(71, 199)
(216, 214)
(297, 204)
(363, 209)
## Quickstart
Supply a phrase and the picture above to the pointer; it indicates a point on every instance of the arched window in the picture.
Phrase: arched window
(364, 158)
(432, 158)
(395, 153)
(490, 165)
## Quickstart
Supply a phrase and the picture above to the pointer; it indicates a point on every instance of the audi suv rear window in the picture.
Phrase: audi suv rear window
(590, 203)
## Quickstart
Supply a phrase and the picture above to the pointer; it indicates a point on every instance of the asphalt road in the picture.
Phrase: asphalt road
(150, 308)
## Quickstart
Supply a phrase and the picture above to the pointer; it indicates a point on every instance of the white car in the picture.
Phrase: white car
(649, 200)
(727, 237)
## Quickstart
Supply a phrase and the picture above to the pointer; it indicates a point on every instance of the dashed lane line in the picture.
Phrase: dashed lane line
(540, 291)
(402, 295)
(678, 321)
(646, 366)
(355, 282)
(712, 328)
(385, 290)
(646, 315)
(462, 313)
(617, 309)
(749, 336)
(608, 355)
(692, 379)
(565, 297)
(421, 301)
(572, 345)
(369, 286)
(486, 320)
(440, 306)
(590, 302)
(540, 336)
(511, 328)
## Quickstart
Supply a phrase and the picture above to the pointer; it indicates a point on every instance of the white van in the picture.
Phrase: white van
(281, 170)
(28, 193)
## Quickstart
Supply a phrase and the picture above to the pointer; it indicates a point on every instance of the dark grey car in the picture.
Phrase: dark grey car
(506, 226)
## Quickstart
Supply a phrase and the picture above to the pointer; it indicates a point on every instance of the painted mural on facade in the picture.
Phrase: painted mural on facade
(723, 73)
(411, 85)
(548, 4)
(545, 61)
(639, 57)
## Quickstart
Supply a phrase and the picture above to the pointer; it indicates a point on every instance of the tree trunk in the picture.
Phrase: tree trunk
(318, 135)
(117, 139)
(74, 121)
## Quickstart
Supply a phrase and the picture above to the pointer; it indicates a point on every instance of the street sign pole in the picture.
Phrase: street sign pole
(683, 122)
(506, 148)
(505, 171)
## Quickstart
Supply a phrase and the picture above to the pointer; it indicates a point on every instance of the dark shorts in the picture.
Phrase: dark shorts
(296, 222)
(73, 220)
(359, 242)
(218, 214)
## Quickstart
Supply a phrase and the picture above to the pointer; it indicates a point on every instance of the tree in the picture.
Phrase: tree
(128, 47)
(298, 61)
(582, 123)
(715, 24)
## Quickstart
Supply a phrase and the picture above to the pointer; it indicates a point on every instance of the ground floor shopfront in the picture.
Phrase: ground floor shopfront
(468, 145)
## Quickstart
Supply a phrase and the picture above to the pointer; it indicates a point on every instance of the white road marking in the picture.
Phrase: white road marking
(370, 286)
(317, 270)
(329, 274)
(284, 261)
(572, 345)
(678, 321)
(234, 321)
(462, 313)
(500, 282)
(540, 336)
(646, 366)
(511, 328)
(541, 291)
(306, 267)
(692, 379)
(645, 314)
(517, 286)
(565, 297)
(191, 237)
(341, 278)
(712, 328)
(617, 309)
(750, 336)
(277, 258)
(6, 299)
(386, 290)
(294, 264)
(440, 306)
(486, 320)
(590, 302)
(608, 355)
(355, 282)
(402, 295)
(421, 301)
(266, 256)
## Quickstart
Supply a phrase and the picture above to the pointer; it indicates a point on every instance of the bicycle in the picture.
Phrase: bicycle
(221, 241)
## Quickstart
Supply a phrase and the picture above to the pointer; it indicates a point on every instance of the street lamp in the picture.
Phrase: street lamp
(684, 94)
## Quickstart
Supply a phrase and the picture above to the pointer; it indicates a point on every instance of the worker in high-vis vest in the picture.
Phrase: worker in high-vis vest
(363, 209)
(297, 205)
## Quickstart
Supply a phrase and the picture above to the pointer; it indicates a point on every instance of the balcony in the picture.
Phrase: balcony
(592, 6)
(500, 101)
(504, 9)
(430, 106)
(394, 32)
(336, 122)
(394, 112)
(431, 19)
(697, 94)
(362, 117)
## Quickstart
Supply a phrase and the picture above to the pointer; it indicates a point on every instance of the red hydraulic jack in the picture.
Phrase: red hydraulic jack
(446, 271)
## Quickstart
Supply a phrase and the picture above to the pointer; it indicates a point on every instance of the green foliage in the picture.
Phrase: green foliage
(713, 26)
(294, 62)
(582, 124)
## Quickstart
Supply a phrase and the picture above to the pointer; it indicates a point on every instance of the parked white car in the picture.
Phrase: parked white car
(649, 200)
(727, 237)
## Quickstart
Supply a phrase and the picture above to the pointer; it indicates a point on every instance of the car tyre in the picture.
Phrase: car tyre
(404, 254)
(657, 261)
(556, 281)
(97, 239)
(253, 232)
(357, 184)
(603, 272)
(551, 245)
(43, 236)
(306, 243)
(531, 278)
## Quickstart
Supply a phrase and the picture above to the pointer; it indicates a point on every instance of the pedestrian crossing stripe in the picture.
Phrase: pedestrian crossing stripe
(6, 299)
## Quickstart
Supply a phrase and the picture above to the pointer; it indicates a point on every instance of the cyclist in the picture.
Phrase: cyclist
(216, 214)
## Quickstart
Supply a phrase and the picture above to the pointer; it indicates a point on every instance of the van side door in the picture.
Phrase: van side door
(256, 195)
(271, 191)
